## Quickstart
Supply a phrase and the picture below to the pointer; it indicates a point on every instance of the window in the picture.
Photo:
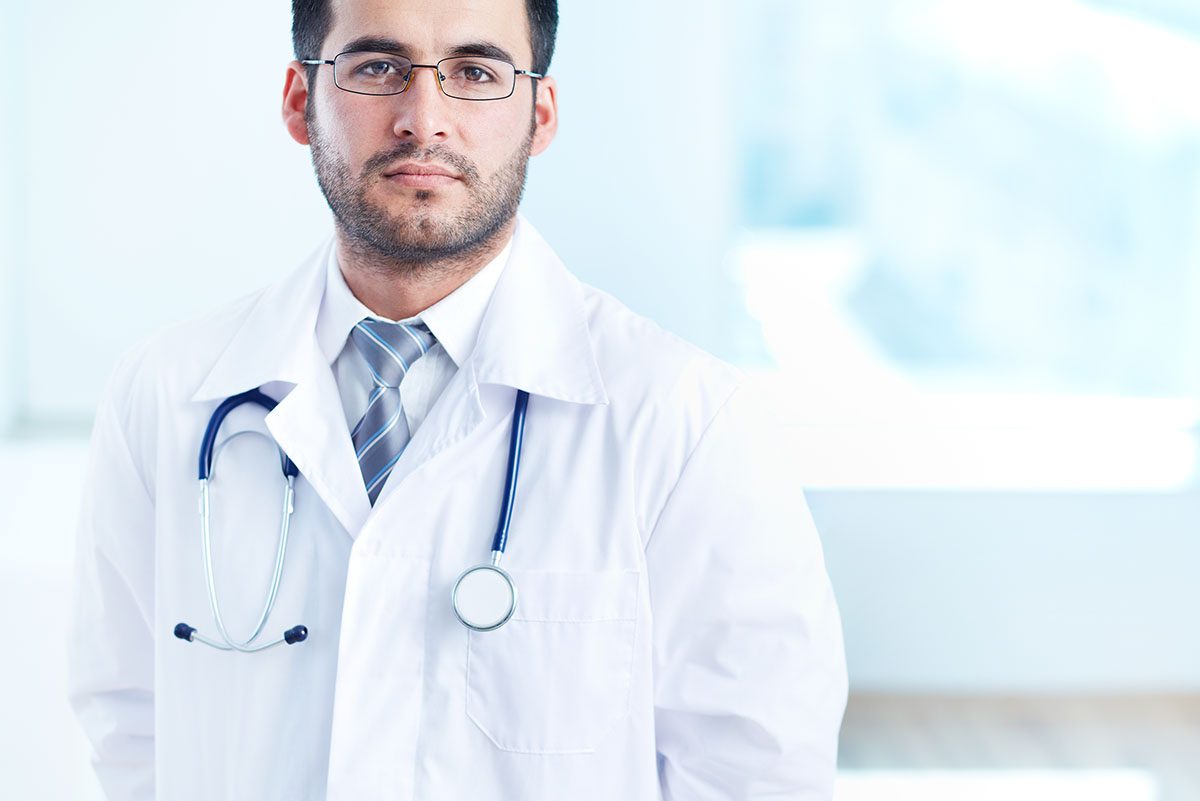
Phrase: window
(978, 217)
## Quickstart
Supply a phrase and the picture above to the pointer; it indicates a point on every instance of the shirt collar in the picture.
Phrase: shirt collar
(454, 320)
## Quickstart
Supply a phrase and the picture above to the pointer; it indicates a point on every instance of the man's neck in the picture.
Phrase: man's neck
(398, 290)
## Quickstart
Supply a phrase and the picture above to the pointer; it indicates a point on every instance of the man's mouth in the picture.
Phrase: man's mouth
(418, 175)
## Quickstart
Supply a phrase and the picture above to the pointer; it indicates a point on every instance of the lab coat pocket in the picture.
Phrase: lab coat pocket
(556, 677)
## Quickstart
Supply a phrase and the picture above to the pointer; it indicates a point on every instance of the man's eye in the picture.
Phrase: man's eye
(473, 73)
(377, 69)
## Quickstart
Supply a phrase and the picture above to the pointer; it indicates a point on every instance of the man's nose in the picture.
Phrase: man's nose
(422, 110)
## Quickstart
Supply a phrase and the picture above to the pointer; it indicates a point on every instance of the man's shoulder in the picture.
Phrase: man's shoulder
(641, 362)
(175, 359)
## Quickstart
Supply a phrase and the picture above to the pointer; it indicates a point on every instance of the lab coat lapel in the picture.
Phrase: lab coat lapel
(276, 344)
(455, 415)
(310, 426)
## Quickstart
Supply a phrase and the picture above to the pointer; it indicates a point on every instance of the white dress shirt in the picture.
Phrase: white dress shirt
(454, 320)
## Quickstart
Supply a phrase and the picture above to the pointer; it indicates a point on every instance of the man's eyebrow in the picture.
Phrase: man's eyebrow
(377, 44)
(383, 44)
(481, 49)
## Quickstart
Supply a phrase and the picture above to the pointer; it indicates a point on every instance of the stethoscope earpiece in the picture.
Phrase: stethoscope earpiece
(295, 634)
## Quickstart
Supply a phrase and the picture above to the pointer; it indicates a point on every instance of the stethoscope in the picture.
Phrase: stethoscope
(484, 596)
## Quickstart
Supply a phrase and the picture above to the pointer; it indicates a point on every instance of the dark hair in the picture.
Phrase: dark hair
(312, 19)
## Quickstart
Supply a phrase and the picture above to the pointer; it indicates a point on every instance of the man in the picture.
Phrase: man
(674, 633)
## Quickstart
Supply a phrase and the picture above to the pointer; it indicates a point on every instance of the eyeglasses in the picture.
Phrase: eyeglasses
(463, 77)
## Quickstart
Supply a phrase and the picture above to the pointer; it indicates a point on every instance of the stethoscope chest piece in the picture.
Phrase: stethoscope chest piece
(484, 597)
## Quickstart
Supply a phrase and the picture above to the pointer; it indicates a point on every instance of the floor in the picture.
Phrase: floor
(1154, 736)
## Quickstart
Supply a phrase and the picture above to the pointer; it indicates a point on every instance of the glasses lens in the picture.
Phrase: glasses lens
(371, 73)
(472, 78)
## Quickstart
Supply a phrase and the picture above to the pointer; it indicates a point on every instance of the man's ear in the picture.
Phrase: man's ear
(545, 115)
(295, 99)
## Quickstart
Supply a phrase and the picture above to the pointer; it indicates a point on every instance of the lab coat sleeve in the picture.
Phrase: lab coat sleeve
(111, 648)
(750, 678)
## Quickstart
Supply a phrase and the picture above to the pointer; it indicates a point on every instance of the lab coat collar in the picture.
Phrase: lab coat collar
(276, 338)
(534, 334)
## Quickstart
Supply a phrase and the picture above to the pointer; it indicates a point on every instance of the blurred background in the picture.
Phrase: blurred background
(955, 240)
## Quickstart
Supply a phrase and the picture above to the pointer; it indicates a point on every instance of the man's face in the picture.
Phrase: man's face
(370, 151)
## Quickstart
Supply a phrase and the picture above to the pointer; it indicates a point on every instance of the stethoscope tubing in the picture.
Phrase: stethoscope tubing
(214, 426)
(205, 470)
(515, 440)
(507, 501)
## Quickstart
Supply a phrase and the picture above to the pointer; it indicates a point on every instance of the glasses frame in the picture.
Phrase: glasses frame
(437, 71)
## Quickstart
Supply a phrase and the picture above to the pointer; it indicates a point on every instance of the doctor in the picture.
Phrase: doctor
(674, 634)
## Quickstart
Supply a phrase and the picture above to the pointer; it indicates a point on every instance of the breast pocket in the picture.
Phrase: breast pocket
(556, 677)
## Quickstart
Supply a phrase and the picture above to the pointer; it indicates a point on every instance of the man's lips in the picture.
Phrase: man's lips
(420, 175)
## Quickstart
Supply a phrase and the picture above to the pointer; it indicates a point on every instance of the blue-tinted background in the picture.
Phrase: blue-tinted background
(955, 241)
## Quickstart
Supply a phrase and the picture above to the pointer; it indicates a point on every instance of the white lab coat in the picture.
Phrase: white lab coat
(676, 636)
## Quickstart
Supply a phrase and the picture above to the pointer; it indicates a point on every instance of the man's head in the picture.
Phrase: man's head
(370, 151)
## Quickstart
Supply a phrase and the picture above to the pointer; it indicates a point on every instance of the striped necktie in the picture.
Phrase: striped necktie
(390, 349)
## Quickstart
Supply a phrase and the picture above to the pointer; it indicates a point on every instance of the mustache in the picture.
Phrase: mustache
(408, 151)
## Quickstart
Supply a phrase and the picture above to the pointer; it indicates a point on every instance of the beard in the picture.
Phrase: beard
(421, 238)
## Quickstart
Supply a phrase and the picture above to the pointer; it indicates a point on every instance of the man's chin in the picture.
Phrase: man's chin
(392, 191)
(422, 236)
(431, 206)
(421, 226)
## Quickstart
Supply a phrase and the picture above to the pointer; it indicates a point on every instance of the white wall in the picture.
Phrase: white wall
(1009, 592)
(158, 178)
(638, 192)
(11, 228)
(43, 753)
